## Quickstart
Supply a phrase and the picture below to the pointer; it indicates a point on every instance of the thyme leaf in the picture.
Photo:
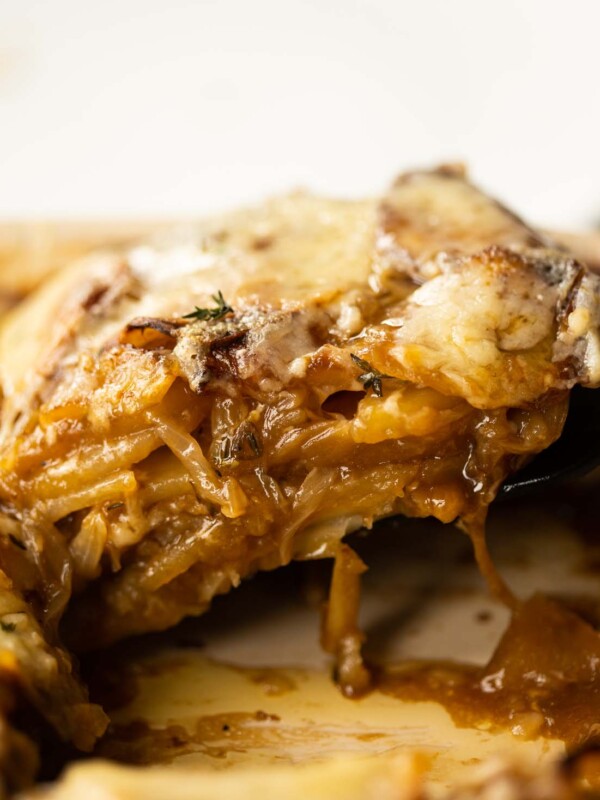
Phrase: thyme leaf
(371, 378)
(225, 450)
(253, 442)
(220, 310)
(244, 444)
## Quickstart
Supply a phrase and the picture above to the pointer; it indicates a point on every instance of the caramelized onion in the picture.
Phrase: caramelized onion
(340, 634)
(227, 494)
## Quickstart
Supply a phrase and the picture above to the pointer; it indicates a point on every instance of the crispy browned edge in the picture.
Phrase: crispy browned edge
(32, 250)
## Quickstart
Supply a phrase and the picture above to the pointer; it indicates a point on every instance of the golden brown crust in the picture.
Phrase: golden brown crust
(365, 359)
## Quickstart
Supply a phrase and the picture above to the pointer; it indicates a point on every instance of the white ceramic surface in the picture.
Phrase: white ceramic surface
(149, 107)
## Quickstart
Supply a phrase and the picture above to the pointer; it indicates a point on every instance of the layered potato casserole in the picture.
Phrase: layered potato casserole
(183, 412)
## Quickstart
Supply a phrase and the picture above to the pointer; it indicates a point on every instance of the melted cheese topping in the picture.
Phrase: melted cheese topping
(372, 359)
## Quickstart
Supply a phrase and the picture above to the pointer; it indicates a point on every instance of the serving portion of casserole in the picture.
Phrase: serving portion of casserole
(181, 414)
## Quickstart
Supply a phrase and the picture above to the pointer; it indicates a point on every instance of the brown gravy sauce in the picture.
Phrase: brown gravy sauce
(542, 680)
(214, 735)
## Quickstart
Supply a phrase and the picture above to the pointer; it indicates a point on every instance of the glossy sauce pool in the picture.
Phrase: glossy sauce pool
(455, 677)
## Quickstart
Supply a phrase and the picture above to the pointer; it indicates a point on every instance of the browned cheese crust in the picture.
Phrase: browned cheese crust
(398, 355)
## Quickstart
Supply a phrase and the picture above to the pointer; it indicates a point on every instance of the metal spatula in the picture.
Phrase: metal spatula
(576, 453)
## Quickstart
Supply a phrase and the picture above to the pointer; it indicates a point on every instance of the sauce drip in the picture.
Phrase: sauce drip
(543, 679)
(475, 529)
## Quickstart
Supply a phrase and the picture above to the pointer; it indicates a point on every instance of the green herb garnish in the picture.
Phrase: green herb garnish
(220, 310)
(371, 378)
(112, 506)
(242, 445)
(7, 627)
(253, 442)
(225, 450)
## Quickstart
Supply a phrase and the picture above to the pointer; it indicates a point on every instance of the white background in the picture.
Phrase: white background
(156, 107)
